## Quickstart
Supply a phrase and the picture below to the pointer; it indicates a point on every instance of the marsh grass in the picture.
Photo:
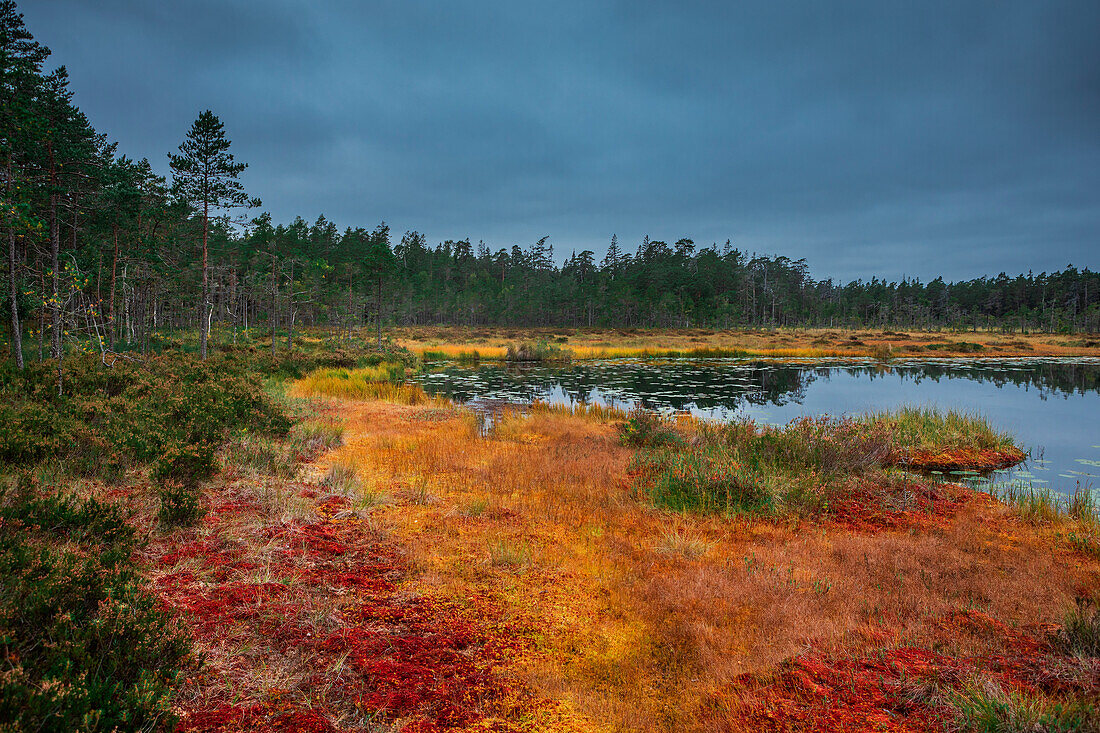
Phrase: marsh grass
(930, 428)
(679, 542)
(260, 455)
(342, 477)
(383, 382)
(310, 437)
(534, 352)
(1038, 505)
(741, 468)
(508, 554)
(588, 411)
(983, 706)
(476, 508)
(1080, 632)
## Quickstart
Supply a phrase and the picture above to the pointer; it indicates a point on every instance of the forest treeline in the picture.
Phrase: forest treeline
(104, 252)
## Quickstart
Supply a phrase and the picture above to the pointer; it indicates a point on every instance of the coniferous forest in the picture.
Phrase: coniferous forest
(104, 251)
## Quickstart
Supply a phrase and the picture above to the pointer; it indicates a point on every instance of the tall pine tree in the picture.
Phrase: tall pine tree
(205, 175)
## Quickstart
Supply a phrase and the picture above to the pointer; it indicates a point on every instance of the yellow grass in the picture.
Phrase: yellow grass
(490, 343)
(644, 616)
(362, 384)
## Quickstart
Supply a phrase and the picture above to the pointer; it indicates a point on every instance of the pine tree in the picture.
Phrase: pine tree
(21, 59)
(205, 174)
(379, 263)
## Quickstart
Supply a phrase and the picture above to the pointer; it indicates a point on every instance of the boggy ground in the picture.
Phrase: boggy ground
(491, 342)
(426, 577)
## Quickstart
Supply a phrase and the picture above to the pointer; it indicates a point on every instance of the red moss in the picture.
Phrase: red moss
(428, 661)
(893, 689)
(914, 505)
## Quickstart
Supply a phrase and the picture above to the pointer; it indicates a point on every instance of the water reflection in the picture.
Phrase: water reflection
(1051, 405)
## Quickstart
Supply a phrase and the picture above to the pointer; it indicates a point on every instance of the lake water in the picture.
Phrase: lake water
(1051, 405)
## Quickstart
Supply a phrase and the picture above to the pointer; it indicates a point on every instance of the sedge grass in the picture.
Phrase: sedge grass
(930, 428)
(382, 382)
(588, 411)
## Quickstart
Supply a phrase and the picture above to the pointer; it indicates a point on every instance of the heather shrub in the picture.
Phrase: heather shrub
(172, 412)
(179, 505)
(84, 646)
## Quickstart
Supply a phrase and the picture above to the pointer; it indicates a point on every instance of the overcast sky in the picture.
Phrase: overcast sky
(888, 138)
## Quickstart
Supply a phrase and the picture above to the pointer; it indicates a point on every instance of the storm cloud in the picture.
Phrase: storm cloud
(885, 138)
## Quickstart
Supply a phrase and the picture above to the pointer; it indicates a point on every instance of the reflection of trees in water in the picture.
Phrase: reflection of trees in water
(678, 386)
(1048, 377)
(728, 385)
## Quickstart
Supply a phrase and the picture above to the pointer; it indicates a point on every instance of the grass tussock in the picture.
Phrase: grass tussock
(509, 554)
(1037, 505)
(257, 454)
(930, 428)
(986, 707)
(342, 478)
(535, 352)
(1080, 632)
(312, 437)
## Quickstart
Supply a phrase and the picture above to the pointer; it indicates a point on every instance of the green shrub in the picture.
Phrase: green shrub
(169, 411)
(84, 647)
(179, 505)
(187, 464)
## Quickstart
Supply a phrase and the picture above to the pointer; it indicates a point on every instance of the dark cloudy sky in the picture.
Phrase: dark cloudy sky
(879, 137)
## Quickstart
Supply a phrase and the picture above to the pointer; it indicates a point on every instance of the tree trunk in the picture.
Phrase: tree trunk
(378, 313)
(203, 327)
(55, 280)
(274, 304)
(13, 288)
(111, 307)
(290, 307)
(55, 256)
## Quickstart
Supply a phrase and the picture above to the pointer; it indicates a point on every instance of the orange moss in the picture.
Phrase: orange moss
(959, 459)
(515, 582)
(640, 616)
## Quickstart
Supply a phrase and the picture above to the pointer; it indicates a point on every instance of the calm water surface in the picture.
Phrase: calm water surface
(1052, 406)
